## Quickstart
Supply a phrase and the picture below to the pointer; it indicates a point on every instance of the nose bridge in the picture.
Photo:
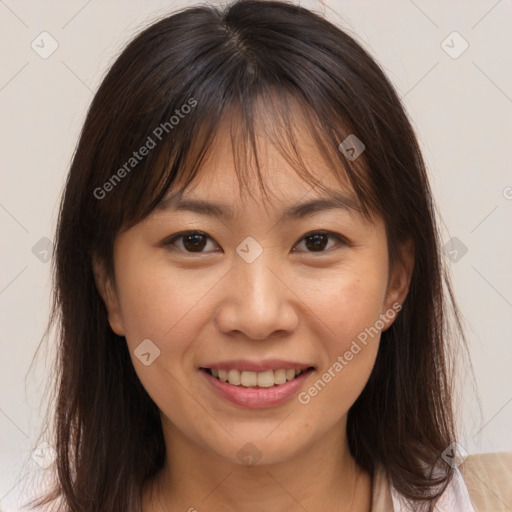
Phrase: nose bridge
(256, 302)
(258, 281)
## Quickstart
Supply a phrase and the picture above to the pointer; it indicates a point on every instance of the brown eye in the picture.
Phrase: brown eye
(194, 243)
(190, 241)
(318, 241)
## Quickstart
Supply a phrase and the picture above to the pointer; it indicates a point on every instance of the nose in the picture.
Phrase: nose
(257, 301)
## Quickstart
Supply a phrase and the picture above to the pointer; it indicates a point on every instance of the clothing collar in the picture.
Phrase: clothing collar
(385, 498)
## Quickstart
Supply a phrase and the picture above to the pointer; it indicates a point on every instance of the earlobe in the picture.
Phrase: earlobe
(106, 289)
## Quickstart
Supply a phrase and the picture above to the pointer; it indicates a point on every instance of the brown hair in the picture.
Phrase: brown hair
(234, 60)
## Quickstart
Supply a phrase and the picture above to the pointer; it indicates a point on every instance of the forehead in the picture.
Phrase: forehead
(276, 167)
(217, 190)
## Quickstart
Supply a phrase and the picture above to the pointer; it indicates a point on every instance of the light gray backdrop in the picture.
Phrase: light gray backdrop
(450, 62)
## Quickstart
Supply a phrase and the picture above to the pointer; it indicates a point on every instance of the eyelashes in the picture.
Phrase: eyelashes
(192, 239)
(316, 240)
(195, 242)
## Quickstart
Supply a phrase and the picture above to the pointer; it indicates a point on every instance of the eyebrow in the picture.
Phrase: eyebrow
(334, 200)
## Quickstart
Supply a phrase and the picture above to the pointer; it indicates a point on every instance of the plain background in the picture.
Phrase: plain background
(461, 109)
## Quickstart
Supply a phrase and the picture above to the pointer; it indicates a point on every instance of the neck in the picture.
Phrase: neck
(321, 477)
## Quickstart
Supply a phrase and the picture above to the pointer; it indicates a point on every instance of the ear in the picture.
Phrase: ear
(400, 274)
(106, 288)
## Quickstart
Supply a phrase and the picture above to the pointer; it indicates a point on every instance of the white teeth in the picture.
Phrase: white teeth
(234, 377)
(266, 379)
(248, 379)
(280, 376)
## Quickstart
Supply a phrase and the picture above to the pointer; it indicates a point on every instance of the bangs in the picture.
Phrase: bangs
(218, 77)
(280, 119)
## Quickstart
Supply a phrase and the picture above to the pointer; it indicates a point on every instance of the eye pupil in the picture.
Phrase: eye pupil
(319, 241)
(196, 242)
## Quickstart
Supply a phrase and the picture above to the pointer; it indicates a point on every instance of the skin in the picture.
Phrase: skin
(212, 306)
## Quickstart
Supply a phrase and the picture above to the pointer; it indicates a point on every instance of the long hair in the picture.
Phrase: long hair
(170, 91)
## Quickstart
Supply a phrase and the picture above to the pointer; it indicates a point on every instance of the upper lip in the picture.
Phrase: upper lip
(257, 366)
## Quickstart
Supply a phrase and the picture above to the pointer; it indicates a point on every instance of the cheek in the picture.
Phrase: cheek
(349, 303)
(166, 309)
(350, 347)
(161, 303)
(350, 300)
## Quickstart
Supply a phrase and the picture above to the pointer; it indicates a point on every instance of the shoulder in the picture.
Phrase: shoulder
(487, 477)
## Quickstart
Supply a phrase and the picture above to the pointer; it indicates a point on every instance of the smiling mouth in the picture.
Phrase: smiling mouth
(247, 379)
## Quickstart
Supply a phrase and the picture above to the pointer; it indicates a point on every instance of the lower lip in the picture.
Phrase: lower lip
(257, 398)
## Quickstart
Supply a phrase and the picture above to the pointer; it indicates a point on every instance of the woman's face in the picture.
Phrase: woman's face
(252, 292)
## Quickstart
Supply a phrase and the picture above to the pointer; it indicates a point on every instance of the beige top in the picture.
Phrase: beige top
(483, 483)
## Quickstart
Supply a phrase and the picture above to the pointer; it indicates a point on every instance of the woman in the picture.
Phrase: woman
(249, 286)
